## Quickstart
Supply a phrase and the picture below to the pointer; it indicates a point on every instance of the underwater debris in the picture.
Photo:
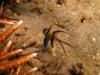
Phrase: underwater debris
(76, 69)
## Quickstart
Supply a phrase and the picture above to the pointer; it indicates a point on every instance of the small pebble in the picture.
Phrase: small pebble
(94, 39)
(99, 73)
(97, 54)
